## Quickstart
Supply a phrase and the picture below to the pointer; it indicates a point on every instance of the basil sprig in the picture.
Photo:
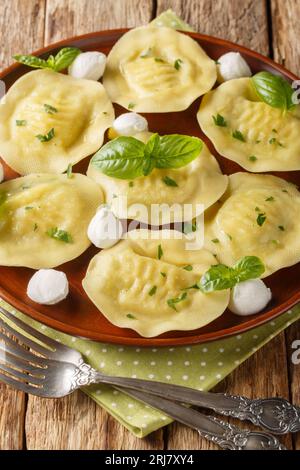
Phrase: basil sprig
(128, 158)
(221, 277)
(61, 61)
(273, 90)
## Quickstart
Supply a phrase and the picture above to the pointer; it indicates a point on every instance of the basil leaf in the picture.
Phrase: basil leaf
(59, 234)
(32, 61)
(122, 158)
(176, 151)
(218, 277)
(176, 300)
(273, 90)
(65, 57)
(248, 267)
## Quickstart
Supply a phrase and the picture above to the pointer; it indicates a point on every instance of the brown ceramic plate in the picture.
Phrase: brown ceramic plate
(77, 315)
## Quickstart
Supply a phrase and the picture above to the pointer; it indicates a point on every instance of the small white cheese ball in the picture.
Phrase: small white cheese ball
(48, 287)
(105, 230)
(89, 65)
(232, 65)
(249, 297)
(130, 124)
(1, 173)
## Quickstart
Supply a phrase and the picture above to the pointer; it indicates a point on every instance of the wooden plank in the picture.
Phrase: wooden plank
(73, 17)
(286, 47)
(21, 28)
(242, 22)
(76, 422)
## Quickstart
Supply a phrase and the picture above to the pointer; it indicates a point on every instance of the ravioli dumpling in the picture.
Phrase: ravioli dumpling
(44, 219)
(49, 120)
(258, 215)
(266, 138)
(134, 289)
(157, 70)
(199, 184)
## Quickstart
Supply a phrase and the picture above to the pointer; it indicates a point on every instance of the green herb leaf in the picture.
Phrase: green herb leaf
(257, 209)
(176, 300)
(122, 157)
(273, 140)
(159, 252)
(152, 291)
(131, 105)
(177, 64)
(132, 317)
(50, 109)
(273, 90)
(220, 276)
(131, 184)
(169, 181)
(69, 171)
(46, 137)
(219, 120)
(261, 218)
(270, 199)
(189, 227)
(176, 150)
(188, 267)
(59, 234)
(163, 274)
(215, 240)
(35, 227)
(252, 158)
(281, 227)
(28, 208)
(32, 61)
(65, 57)
(159, 59)
(238, 135)
(21, 122)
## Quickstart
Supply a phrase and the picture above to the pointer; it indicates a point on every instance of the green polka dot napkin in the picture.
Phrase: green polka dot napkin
(200, 367)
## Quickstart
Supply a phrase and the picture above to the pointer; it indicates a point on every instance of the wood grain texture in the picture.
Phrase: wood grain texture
(22, 21)
(286, 33)
(242, 22)
(73, 17)
(12, 415)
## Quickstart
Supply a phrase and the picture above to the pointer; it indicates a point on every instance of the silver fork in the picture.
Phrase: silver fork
(50, 369)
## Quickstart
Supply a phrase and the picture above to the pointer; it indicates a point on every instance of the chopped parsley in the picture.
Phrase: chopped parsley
(270, 199)
(69, 171)
(285, 191)
(27, 208)
(189, 227)
(35, 227)
(257, 209)
(159, 251)
(229, 236)
(163, 274)
(215, 240)
(50, 109)
(59, 234)
(169, 181)
(153, 290)
(177, 64)
(261, 218)
(172, 302)
(159, 59)
(219, 120)
(131, 184)
(275, 131)
(188, 267)
(132, 317)
(281, 227)
(21, 122)
(258, 141)
(46, 137)
(238, 135)
(273, 140)
(131, 105)
(252, 158)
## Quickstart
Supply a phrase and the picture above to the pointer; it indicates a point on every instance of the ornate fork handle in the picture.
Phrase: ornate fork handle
(276, 415)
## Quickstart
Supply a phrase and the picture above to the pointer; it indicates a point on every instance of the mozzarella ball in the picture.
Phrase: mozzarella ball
(249, 297)
(130, 124)
(232, 65)
(105, 230)
(48, 287)
(1, 173)
(88, 65)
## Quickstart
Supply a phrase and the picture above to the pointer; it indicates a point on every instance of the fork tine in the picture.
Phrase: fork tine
(26, 341)
(22, 386)
(51, 343)
(10, 359)
(23, 376)
(15, 349)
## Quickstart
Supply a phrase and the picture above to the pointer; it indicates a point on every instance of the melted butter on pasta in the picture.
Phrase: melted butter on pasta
(157, 70)
(34, 205)
(119, 280)
(271, 135)
(258, 215)
(199, 183)
(78, 111)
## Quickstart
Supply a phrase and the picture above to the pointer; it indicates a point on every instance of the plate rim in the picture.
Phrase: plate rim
(155, 341)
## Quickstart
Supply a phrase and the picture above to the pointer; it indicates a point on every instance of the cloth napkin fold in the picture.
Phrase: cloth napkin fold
(200, 367)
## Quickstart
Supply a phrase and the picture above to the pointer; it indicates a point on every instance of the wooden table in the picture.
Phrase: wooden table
(271, 27)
